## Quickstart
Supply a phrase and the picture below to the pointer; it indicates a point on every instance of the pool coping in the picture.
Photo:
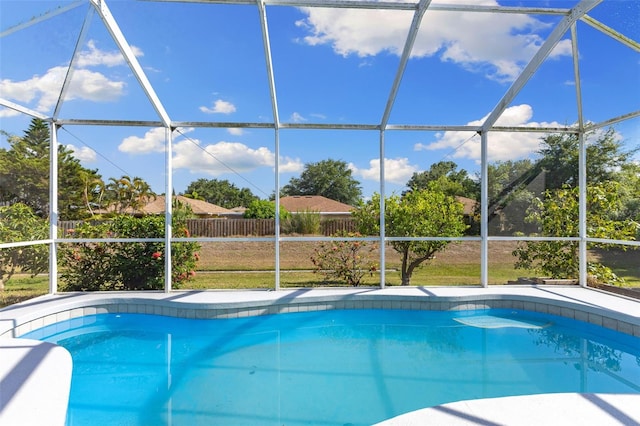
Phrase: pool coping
(584, 304)
(540, 409)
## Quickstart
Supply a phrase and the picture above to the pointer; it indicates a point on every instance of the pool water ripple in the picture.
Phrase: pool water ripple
(337, 367)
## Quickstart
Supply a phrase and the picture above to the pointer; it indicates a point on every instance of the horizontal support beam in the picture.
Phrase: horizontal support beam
(386, 5)
(324, 126)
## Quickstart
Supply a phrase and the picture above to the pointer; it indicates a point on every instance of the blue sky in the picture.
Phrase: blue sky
(207, 63)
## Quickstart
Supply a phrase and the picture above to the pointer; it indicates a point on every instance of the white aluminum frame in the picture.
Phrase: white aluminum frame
(567, 23)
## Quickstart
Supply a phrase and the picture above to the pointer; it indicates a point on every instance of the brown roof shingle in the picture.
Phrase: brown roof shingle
(299, 203)
(156, 206)
(199, 207)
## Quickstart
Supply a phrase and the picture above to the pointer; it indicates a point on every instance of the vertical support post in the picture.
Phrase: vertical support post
(582, 209)
(168, 204)
(382, 211)
(276, 120)
(582, 166)
(484, 211)
(53, 208)
(277, 222)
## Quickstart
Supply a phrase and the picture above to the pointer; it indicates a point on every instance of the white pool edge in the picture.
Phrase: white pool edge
(574, 302)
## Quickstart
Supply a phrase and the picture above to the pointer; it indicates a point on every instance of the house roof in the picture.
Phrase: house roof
(156, 206)
(299, 203)
(199, 207)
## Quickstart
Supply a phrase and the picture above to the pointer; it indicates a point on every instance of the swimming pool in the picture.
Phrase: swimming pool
(328, 368)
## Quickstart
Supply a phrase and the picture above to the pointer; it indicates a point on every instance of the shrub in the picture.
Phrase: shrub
(347, 260)
(127, 265)
(264, 209)
(19, 223)
(306, 222)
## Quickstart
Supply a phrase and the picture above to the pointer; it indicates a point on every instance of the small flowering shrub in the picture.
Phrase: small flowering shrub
(127, 265)
(346, 261)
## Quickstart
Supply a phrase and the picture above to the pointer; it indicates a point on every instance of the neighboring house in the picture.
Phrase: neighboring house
(326, 207)
(200, 208)
(336, 209)
(470, 205)
(235, 213)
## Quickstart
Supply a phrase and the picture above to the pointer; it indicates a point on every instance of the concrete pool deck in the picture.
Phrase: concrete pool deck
(530, 410)
(584, 304)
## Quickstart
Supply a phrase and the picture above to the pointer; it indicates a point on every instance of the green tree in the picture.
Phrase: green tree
(332, 179)
(559, 158)
(508, 175)
(220, 192)
(629, 178)
(93, 190)
(557, 216)
(264, 209)
(24, 174)
(512, 186)
(126, 193)
(444, 176)
(18, 223)
(422, 213)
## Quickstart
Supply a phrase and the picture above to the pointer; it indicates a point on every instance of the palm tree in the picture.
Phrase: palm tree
(130, 193)
(141, 193)
(92, 186)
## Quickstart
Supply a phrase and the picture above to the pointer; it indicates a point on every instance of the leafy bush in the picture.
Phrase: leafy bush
(19, 223)
(347, 261)
(264, 209)
(305, 222)
(557, 216)
(127, 265)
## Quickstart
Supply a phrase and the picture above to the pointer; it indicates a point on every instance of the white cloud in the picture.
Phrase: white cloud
(86, 84)
(396, 170)
(219, 107)
(235, 131)
(8, 112)
(84, 154)
(94, 86)
(92, 56)
(214, 159)
(498, 45)
(291, 165)
(501, 145)
(297, 118)
(225, 157)
(152, 141)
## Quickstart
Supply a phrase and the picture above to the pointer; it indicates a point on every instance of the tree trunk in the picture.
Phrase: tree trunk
(406, 275)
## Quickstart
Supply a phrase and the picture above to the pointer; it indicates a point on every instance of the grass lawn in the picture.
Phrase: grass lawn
(250, 266)
(23, 287)
(459, 274)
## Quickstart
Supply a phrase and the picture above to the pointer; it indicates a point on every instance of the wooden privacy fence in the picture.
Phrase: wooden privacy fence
(231, 227)
(216, 228)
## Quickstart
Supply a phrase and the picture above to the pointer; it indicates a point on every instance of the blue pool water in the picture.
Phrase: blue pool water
(354, 367)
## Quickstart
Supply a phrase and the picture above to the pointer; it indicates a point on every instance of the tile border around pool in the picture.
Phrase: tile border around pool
(51, 309)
